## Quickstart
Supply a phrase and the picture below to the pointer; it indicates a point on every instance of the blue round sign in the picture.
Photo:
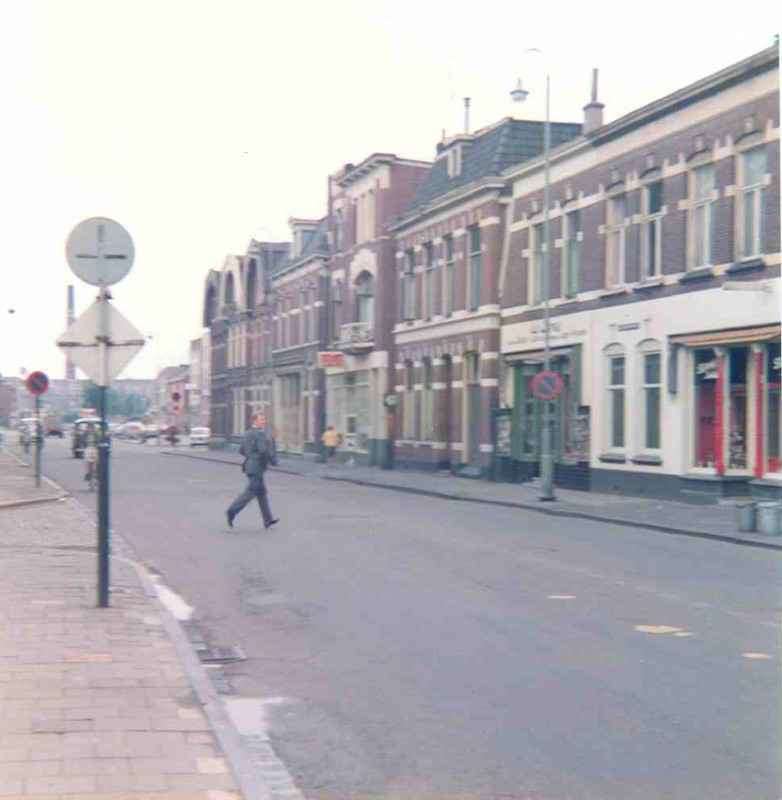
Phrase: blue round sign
(547, 385)
(37, 382)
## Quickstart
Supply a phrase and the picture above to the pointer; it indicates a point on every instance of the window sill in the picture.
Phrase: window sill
(649, 459)
(649, 283)
(614, 291)
(747, 265)
(697, 274)
(613, 458)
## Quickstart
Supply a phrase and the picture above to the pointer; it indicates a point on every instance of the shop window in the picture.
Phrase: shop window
(705, 408)
(773, 411)
(651, 401)
(738, 359)
(753, 173)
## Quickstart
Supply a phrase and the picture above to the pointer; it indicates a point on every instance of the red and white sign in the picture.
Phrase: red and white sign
(331, 358)
(547, 385)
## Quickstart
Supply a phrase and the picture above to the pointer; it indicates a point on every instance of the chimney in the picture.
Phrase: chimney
(70, 369)
(466, 114)
(593, 110)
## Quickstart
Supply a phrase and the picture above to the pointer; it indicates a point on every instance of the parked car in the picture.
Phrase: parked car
(55, 430)
(199, 436)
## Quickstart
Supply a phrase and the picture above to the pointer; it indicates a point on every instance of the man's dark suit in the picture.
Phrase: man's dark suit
(258, 451)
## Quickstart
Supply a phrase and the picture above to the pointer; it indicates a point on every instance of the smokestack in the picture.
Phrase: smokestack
(593, 110)
(70, 369)
(466, 114)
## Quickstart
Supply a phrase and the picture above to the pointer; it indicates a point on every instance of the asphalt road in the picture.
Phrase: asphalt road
(415, 648)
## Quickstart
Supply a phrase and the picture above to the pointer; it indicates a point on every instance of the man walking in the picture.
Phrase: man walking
(258, 451)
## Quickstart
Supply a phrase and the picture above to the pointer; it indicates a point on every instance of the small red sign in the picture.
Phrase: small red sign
(331, 358)
(547, 385)
(37, 382)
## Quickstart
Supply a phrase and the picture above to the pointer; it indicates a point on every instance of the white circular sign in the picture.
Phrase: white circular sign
(100, 251)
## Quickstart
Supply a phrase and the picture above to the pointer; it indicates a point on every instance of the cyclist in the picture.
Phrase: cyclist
(91, 454)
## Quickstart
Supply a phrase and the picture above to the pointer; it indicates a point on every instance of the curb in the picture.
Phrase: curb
(33, 501)
(557, 513)
(230, 463)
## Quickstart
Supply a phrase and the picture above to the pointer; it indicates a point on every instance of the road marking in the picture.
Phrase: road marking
(757, 656)
(657, 629)
(561, 597)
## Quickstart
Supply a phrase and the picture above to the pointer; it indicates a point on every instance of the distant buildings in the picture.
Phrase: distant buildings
(411, 316)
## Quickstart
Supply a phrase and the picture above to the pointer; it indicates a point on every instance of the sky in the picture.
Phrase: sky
(199, 124)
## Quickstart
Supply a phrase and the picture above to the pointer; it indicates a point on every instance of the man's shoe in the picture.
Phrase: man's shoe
(271, 522)
(229, 518)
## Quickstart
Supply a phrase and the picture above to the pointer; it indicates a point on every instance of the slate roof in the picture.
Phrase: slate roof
(488, 153)
(317, 243)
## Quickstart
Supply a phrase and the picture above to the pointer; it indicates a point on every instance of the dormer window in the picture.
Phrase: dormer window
(455, 161)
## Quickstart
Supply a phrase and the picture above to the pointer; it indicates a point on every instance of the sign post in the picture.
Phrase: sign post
(37, 383)
(100, 252)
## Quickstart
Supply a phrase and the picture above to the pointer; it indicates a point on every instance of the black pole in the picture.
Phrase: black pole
(38, 436)
(103, 504)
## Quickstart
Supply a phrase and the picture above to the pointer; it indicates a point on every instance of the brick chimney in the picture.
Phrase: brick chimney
(593, 110)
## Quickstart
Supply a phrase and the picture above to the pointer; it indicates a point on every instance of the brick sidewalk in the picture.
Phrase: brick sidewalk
(96, 703)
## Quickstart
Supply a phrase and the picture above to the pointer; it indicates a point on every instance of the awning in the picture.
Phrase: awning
(763, 333)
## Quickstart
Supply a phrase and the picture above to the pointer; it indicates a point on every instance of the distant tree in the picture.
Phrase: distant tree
(91, 399)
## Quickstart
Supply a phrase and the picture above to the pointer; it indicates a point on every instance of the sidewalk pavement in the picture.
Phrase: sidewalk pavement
(109, 703)
(702, 521)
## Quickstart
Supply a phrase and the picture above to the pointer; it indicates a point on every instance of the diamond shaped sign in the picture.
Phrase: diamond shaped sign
(82, 343)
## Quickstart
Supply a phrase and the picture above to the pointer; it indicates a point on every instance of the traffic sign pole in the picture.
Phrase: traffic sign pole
(104, 451)
(38, 437)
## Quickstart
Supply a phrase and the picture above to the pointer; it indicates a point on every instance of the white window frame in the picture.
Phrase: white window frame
(536, 255)
(408, 412)
(611, 353)
(652, 222)
(751, 193)
(427, 288)
(448, 268)
(571, 251)
(616, 241)
(701, 217)
(427, 400)
(409, 285)
(474, 256)
(646, 349)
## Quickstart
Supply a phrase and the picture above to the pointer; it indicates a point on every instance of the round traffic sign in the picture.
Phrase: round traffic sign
(37, 382)
(100, 251)
(547, 385)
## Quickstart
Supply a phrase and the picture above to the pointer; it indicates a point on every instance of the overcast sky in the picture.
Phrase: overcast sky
(198, 123)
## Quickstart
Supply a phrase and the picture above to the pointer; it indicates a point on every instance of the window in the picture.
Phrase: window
(428, 281)
(472, 363)
(365, 298)
(651, 401)
(702, 215)
(652, 230)
(738, 361)
(705, 378)
(448, 282)
(339, 224)
(617, 405)
(616, 241)
(753, 175)
(409, 286)
(336, 310)
(475, 269)
(427, 402)
(536, 276)
(408, 419)
(571, 255)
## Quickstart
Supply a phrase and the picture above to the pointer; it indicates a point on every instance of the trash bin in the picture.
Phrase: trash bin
(745, 517)
(770, 519)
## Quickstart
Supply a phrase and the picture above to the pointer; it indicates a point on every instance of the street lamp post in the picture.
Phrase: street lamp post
(519, 95)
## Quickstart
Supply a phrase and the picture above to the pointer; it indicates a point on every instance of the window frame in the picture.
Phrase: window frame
(616, 242)
(474, 273)
(758, 194)
(448, 266)
(408, 411)
(613, 354)
(427, 400)
(427, 283)
(651, 222)
(537, 249)
(409, 288)
(648, 350)
(571, 241)
(701, 215)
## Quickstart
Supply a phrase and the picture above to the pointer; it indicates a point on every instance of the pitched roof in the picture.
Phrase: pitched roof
(488, 152)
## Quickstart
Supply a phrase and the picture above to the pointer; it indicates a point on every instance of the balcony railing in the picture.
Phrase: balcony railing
(356, 336)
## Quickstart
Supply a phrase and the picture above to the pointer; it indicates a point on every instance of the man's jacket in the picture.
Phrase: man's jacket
(258, 451)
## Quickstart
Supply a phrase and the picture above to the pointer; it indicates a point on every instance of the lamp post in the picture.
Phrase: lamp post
(519, 95)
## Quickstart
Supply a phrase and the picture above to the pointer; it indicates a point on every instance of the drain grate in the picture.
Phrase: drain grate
(222, 655)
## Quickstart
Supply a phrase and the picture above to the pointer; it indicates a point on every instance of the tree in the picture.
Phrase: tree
(91, 399)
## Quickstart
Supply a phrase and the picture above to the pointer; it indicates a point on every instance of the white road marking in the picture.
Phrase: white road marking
(757, 656)
(660, 629)
(561, 597)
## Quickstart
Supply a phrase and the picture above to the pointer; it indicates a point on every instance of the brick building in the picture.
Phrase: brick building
(363, 200)
(300, 285)
(665, 296)
(448, 251)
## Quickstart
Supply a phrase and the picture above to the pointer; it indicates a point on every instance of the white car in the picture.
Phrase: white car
(199, 436)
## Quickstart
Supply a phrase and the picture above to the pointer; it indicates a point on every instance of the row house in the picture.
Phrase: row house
(363, 200)
(238, 312)
(300, 286)
(447, 333)
(664, 287)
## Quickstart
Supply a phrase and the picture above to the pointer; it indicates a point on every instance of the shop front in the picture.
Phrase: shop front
(734, 387)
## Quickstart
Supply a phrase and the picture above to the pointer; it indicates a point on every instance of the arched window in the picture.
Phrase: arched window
(365, 298)
(228, 292)
(252, 281)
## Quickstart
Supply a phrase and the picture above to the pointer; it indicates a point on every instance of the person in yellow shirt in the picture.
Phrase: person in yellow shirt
(331, 440)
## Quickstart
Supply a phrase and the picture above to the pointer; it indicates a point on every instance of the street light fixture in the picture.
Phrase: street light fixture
(519, 95)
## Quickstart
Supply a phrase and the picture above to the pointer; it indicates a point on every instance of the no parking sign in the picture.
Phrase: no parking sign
(547, 385)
